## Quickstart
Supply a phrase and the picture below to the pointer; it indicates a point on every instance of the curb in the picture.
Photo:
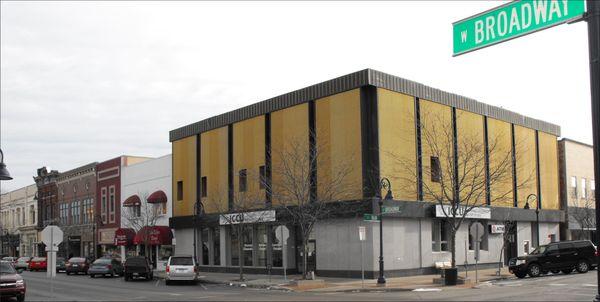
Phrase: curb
(243, 284)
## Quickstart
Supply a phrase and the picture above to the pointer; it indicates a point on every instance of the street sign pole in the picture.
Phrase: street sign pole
(593, 19)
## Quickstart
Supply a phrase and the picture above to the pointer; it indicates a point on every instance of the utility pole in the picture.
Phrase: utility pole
(593, 19)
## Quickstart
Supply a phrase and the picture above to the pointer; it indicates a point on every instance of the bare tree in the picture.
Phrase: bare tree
(581, 209)
(294, 186)
(241, 212)
(459, 184)
(141, 218)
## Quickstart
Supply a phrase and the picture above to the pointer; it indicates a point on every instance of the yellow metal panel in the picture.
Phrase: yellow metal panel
(339, 144)
(549, 170)
(184, 169)
(397, 150)
(214, 167)
(436, 141)
(526, 164)
(500, 148)
(471, 157)
(289, 136)
(249, 154)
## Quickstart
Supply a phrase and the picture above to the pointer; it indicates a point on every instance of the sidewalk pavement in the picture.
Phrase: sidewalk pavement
(277, 282)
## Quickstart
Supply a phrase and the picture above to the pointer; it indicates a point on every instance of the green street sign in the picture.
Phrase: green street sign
(370, 217)
(512, 20)
(389, 210)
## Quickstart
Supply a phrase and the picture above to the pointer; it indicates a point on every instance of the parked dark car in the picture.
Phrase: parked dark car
(106, 266)
(556, 257)
(77, 265)
(11, 283)
(138, 266)
(61, 264)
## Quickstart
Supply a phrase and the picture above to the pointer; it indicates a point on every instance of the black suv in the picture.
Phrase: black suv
(137, 266)
(556, 257)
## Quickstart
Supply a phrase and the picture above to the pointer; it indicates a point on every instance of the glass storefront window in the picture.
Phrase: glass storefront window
(164, 252)
(205, 248)
(248, 246)
(261, 236)
(216, 247)
(235, 248)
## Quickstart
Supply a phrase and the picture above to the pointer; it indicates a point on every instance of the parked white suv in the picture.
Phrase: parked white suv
(181, 268)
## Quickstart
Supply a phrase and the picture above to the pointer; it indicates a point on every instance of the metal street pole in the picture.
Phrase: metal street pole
(593, 19)
(381, 279)
(537, 224)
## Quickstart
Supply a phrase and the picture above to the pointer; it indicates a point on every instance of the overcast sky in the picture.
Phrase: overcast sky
(89, 81)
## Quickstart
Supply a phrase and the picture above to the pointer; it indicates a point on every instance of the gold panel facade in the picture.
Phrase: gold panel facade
(500, 156)
(436, 142)
(397, 143)
(549, 170)
(184, 171)
(339, 158)
(249, 155)
(526, 164)
(471, 157)
(213, 165)
(289, 150)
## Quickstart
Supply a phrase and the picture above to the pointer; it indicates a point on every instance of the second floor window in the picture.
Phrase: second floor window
(204, 187)
(436, 169)
(243, 180)
(112, 204)
(180, 190)
(31, 214)
(583, 188)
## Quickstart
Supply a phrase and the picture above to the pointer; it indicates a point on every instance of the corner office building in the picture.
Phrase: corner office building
(363, 118)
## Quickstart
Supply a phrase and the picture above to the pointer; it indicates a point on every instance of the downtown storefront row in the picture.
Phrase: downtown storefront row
(415, 242)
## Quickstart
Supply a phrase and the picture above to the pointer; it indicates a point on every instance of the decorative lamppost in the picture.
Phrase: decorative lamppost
(4, 175)
(383, 184)
(537, 217)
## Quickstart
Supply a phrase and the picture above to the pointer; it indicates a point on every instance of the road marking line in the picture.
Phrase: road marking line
(590, 285)
(204, 287)
(175, 294)
(557, 284)
(427, 290)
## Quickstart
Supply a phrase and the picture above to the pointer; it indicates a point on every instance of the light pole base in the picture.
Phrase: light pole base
(381, 281)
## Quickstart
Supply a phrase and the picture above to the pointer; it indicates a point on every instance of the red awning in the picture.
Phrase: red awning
(154, 235)
(124, 237)
(132, 201)
(157, 197)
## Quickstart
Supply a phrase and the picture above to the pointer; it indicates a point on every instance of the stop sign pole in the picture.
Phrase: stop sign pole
(51, 236)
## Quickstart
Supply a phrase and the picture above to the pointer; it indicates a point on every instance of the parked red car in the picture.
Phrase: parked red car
(38, 263)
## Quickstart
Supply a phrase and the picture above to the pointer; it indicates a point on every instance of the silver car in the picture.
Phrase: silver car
(23, 263)
(181, 268)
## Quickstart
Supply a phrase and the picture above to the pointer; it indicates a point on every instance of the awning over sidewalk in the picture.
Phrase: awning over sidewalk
(157, 197)
(154, 235)
(132, 201)
(124, 236)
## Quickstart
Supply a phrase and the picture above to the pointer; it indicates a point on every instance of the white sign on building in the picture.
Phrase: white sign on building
(473, 213)
(247, 217)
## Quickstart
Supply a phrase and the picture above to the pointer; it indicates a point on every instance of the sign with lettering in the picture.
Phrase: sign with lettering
(247, 217)
(472, 213)
(497, 229)
(512, 20)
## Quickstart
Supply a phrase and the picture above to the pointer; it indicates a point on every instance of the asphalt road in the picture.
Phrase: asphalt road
(574, 287)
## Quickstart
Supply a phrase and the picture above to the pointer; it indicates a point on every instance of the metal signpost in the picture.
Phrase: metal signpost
(362, 236)
(283, 233)
(520, 18)
(477, 229)
(52, 236)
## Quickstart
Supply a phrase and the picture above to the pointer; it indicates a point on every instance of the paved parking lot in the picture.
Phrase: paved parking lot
(574, 287)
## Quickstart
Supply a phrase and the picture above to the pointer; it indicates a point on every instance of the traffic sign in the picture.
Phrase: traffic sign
(390, 210)
(512, 20)
(52, 236)
(370, 217)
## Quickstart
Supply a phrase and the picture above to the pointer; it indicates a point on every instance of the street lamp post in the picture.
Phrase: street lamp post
(383, 184)
(537, 217)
